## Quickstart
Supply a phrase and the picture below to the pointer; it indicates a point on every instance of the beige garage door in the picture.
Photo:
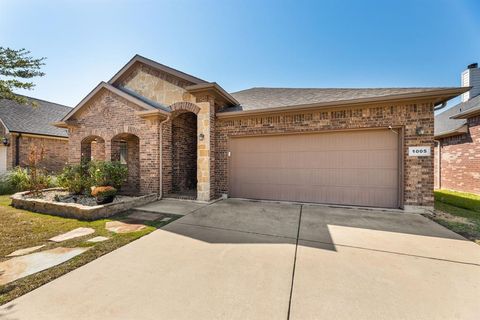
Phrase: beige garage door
(3, 159)
(352, 168)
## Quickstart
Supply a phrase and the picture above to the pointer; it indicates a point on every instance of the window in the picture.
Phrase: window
(123, 152)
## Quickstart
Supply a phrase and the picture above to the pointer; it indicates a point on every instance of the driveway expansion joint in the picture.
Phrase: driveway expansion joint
(392, 252)
(294, 262)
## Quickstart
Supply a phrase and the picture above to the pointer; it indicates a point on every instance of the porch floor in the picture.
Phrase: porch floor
(184, 195)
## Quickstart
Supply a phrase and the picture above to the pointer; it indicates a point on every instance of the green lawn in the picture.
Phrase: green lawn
(459, 212)
(21, 229)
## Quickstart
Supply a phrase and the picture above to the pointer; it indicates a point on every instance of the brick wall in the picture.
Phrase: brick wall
(418, 171)
(55, 151)
(460, 160)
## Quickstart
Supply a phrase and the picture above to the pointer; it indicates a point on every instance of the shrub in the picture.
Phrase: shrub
(104, 191)
(37, 176)
(18, 179)
(5, 186)
(106, 173)
(75, 178)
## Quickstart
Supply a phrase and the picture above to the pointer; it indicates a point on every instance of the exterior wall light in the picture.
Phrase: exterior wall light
(201, 136)
(5, 141)
(420, 131)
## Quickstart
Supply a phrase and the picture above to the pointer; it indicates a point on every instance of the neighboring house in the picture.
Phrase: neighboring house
(182, 136)
(24, 126)
(457, 132)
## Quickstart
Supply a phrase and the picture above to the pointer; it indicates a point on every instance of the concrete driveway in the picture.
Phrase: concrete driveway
(239, 259)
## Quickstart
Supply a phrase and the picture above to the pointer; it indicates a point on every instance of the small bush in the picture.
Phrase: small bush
(5, 185)
(75, 178)
(104, 191)
(459, 199)
(18, 179)
(106, 173)
(79, 178)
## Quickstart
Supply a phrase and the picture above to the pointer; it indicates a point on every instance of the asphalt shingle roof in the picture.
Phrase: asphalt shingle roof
(264, 98)
(33, 119)
(443, 123)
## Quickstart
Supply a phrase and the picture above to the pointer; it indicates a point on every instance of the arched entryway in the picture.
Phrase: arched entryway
(125, 148)
(184, 154)
(92, 148)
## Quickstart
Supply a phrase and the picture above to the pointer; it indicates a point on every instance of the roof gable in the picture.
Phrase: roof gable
(154, 65)
(103, 85)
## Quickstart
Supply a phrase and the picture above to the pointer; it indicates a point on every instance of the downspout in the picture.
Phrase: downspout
(17, 149)
(160, 168)
(439, 163)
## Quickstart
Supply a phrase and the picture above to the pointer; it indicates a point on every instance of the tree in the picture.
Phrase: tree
(16, 65)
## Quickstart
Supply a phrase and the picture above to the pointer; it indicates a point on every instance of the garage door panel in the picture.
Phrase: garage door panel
(357, 168)
(318, 177)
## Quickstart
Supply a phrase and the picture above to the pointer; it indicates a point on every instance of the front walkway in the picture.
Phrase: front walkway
(238, 259)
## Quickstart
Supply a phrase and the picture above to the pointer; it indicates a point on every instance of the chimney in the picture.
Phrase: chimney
(471, 78)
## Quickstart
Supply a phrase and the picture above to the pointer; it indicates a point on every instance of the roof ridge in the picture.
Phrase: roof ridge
(164, 65)
(343, 88)
(33, 98)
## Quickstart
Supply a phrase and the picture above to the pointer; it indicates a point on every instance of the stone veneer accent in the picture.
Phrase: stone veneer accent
(157, 86)
(460, 160)
(78, 211)
(417, 173)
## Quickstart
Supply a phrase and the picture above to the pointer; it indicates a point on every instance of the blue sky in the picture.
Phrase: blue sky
(242, 44)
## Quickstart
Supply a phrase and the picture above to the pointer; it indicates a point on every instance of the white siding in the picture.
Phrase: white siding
(471, 78)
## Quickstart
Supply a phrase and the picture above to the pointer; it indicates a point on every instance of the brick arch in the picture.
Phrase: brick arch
(185, 106)
(92, 147)
(126, 129)
(95, 133)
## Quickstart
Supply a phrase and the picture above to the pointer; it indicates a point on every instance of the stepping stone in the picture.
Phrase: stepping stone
(21, 252)
(123, 227)
(75, 233)
(23, 266)
(98, 239)
(147, 216)
(166, 219)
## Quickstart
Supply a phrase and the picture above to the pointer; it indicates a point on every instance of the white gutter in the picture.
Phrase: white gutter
(439, 163)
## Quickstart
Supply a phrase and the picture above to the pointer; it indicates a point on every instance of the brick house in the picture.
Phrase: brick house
(457, 135)
(182, 136)
(24, 126)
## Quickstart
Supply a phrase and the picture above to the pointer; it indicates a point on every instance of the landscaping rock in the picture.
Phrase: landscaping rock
(98, 239)
(166, 219)
(22, 252)
(75, 233)
(143, 215)
(23, 266)
(123, 227)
